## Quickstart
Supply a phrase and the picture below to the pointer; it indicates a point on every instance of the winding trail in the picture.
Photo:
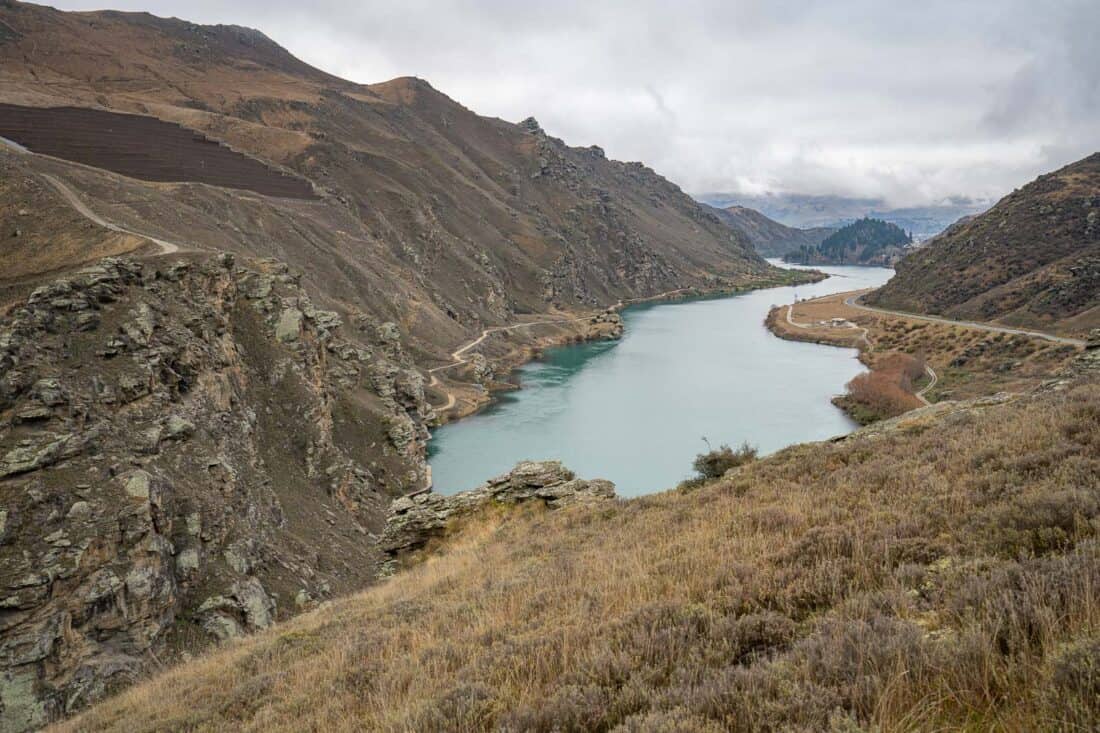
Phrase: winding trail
(70, 196)
(932, 376)
(932, 383)
(460, 359)
(81, 208)
(853, 301)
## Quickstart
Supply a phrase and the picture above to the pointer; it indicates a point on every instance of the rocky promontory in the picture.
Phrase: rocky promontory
(189, 451)
(417, 518)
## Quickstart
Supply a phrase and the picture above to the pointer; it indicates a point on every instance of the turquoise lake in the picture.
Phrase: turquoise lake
(635, 411)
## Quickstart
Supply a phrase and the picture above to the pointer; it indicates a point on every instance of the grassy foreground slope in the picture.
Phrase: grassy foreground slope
(912, 577)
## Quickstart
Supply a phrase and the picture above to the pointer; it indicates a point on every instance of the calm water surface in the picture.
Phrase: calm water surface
(635, 411)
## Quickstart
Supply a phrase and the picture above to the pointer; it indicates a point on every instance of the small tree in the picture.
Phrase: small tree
(714, 463)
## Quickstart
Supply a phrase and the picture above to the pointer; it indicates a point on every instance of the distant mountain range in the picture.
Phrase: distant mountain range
(808, 211)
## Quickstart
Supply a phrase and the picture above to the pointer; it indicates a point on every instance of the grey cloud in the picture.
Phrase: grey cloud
(914, 102)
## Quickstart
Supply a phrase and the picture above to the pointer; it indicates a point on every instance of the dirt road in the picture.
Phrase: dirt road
(853, 301)
(73, 200)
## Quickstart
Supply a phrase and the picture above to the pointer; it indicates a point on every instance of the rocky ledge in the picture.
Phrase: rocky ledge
(416, 518)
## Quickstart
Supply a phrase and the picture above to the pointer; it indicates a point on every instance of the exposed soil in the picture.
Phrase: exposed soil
(143, 147)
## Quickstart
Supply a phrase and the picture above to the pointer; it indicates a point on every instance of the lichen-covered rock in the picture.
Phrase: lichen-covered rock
(480, 369)
(418, 517)
(289, 325)
(172, 449)
(247, 606)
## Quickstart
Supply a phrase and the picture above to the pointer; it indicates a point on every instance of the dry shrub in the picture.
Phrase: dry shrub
(715, 463)
(1075, 684)
(887, 390)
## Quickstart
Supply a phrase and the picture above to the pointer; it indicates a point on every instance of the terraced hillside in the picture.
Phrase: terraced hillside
(142, 147)
(1032, 260)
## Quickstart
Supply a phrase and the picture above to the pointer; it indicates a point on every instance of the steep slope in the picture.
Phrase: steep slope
(769, 237)
(1032, 260)
(498, 217)
(195, 443)
(866, 241)
(189, 449)
(906, 578)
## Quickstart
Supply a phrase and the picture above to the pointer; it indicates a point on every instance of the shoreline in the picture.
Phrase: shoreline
(847, 336)
(960, 360)
(473, 397)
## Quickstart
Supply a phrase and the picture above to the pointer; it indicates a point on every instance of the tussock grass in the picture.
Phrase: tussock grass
(940, 576)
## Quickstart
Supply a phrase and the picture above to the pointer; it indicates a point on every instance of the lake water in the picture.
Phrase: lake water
(635, 411)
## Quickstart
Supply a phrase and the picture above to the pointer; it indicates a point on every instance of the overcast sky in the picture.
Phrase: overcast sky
(912, 101)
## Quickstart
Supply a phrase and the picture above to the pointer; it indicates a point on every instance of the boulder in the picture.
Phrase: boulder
(415, 519)
(289, 326)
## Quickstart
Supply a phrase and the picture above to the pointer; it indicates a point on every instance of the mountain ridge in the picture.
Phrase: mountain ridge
(810, 210)
(769, 237)
(1032, 260)
(201, 442)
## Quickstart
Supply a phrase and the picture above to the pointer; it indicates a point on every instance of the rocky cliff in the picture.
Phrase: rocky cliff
(176, 439)
(417, 518)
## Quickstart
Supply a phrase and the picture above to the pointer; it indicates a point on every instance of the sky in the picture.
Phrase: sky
(913, 102)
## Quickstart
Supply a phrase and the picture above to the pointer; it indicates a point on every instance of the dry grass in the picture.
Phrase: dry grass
(920, 579)
(970, 362)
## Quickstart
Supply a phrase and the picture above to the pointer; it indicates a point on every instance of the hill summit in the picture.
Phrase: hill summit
(866, 241)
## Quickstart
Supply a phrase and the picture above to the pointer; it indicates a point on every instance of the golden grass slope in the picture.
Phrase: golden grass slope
(916, 578)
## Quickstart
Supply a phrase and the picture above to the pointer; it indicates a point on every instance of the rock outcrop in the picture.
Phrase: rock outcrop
(417, 518)
(173, 447)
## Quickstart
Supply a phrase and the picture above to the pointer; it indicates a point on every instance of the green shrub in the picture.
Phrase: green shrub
(714, 464)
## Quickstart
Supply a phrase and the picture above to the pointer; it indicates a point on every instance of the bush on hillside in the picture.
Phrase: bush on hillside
(714, 464)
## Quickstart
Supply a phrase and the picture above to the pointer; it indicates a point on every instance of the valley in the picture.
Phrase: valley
(334, 404)
(634, 410)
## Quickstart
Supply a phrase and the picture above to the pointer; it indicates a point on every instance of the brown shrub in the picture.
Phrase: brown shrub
(1075, 684)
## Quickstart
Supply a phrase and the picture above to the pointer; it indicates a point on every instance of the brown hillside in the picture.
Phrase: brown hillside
(141, 147)
(195, 442)
(769, 237)
(472, 220)
(1032, 260)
